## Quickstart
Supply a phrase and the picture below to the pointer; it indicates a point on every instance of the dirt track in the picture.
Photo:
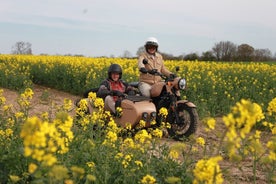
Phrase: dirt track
(45, 97)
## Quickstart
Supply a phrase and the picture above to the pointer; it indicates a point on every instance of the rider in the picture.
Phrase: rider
(113, 88)
(155, 63)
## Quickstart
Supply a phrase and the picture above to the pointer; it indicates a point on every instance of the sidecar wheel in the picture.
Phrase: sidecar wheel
(188, 122)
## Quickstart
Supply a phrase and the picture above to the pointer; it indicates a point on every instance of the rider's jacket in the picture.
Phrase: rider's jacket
(107, 86)
(154, 62)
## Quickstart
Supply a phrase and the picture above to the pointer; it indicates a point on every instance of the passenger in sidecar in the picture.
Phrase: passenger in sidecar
(113, 89)
(118, 93)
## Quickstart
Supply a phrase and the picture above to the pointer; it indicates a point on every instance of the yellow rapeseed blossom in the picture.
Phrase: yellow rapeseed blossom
(32, 168)
(173, 180)
(91, 165)
(239, 124)
(139, 163)
(99, 103)
(148, 179)
(67, 104)
(90, 178)
(173, 154)
(208, 171)
(127, 160)
(272, 107)
(14, 178)
(42, 139)
(210, 123)
(141, 124)
(243, 117)
(110, 138)
(92, 96)
(128, 143)
(142, 136)
(2, 99)
(157, 133)
(163, 112)
(77, 172)
(25, 97)
(271, 145)
(59, 172)
(200, 141)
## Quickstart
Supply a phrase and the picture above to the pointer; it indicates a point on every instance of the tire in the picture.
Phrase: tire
(188, 122)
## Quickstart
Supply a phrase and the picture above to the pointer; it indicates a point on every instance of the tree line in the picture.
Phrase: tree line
(221, 51)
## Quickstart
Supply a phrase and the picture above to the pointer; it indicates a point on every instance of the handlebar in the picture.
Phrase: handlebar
(155, 72)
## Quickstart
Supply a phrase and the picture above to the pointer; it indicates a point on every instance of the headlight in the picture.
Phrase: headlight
(182, 84)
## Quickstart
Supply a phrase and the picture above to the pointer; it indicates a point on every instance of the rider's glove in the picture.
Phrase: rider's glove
(152, 72)
(143, 70)
(173, 76)
(117, 93)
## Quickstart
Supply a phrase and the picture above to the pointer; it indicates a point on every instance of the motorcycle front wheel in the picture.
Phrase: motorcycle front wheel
(186, 124)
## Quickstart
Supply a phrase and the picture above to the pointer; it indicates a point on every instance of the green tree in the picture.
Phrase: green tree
(245, 52)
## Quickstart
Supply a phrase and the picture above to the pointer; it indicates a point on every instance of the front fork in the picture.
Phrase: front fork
(173, 109)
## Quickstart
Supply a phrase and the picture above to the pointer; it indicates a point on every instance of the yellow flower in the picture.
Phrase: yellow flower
(129, 143)
(32, 168)
(68, 182)
(90, 177)
(163, 112)
(77, 171)
(210, 122)
(157, 133)
(172, 180)
(59, 172)
(92, 96)
(173, 154)
(91, 165)
(200, 141)
(272, 107)
(14, 178)
(138, 163)
(148, 179)
(111, 136)
(142, 136)
(67, 104)
(208, 171)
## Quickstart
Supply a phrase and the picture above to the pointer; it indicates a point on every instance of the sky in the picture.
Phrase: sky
(96, 28)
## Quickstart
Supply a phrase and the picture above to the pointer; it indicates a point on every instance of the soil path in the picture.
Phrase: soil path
(43, 99)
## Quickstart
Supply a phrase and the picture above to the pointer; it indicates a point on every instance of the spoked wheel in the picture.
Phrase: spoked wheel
(187, 122)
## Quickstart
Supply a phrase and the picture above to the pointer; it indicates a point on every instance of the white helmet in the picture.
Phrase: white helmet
(151, 41)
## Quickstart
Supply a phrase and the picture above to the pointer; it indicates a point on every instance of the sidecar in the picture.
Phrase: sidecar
(136, 108)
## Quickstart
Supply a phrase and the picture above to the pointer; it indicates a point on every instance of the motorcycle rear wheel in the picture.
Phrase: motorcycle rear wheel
(188, 122)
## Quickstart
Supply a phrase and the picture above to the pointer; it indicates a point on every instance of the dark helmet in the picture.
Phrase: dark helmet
(114, 68)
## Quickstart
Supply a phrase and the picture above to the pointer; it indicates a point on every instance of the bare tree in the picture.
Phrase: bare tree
(22, 48)
(224, 51)
(262, 55)
(140, 51)
(127, 54)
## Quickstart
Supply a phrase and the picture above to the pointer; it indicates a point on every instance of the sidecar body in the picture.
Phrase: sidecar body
(136, 108)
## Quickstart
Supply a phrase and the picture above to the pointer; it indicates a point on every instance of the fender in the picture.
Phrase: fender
(190, 104)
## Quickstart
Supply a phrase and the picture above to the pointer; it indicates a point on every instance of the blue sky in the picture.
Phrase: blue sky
(110, 27)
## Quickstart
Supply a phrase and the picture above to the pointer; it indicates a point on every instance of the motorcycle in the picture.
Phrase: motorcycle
(182, 114)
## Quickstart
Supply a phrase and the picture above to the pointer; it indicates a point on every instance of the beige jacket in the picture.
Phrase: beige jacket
(155, 62)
